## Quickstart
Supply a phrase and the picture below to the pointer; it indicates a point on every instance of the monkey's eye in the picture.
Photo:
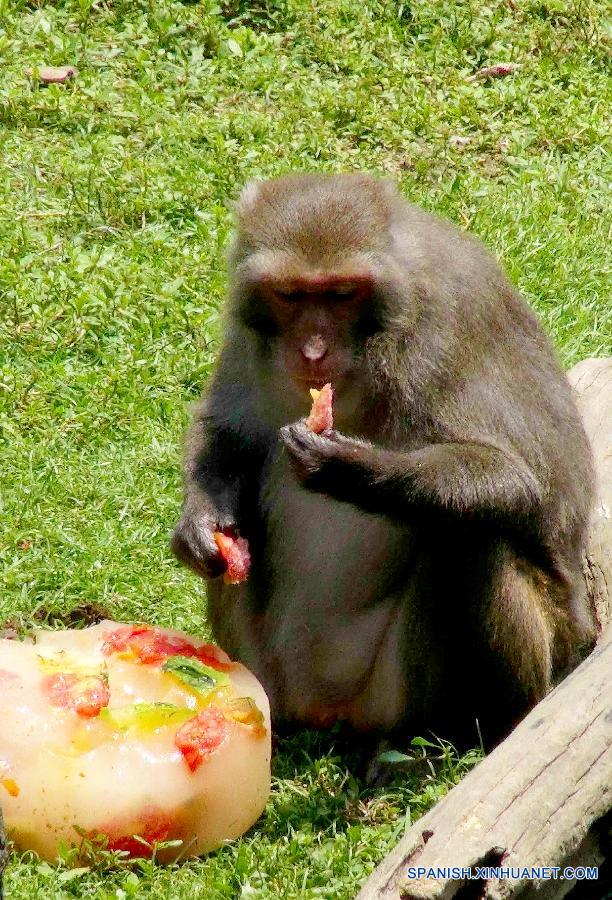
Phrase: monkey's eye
(288, 296)
(257, 317)
(341, 295)
(344, 290)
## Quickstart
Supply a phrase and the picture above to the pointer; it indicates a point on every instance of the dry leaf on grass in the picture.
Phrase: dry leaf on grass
(53, 74)
(459, 140)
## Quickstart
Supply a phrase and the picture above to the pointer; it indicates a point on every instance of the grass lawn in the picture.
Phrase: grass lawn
(113, 219)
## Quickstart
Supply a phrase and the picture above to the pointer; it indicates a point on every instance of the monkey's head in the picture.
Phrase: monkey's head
(303, 265)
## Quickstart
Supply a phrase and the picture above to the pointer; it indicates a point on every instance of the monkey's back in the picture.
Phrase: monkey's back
(491, 372)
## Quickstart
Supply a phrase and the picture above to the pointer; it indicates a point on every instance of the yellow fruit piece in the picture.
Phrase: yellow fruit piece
(245, 711)
(61, 661)
(86, 737)
(145, 717)
(10, 785)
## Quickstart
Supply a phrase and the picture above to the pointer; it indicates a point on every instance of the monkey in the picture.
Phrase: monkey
(417, 567)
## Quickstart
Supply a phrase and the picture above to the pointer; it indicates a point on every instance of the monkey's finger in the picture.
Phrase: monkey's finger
(196, 548)
(305, 448)
(299, 434)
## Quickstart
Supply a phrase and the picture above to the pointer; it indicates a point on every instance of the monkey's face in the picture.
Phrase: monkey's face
(312, 329)
(304, 266)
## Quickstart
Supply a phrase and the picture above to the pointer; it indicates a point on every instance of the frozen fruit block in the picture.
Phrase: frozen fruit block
(132, 734)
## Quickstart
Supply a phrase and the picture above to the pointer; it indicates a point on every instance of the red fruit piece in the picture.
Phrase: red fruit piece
(85, 695)
(499, 70)
(235, 553)
(214, 657)
(153, 826)
(321, 415)
(120, 639)
(150, 646)
(155, 647)
(199, 737)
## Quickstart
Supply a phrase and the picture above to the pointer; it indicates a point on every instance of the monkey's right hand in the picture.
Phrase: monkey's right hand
(194, 545)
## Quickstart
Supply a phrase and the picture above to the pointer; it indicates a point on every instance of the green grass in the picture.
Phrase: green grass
(113, 218)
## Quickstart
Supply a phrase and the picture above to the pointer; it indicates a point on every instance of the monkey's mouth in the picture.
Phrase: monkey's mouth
(304, 382)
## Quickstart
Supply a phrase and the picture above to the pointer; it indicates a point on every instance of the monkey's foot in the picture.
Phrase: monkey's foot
(386, 763)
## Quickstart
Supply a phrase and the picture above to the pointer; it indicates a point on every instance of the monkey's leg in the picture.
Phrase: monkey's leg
(478, 638)
(501, 657)
(520, 627)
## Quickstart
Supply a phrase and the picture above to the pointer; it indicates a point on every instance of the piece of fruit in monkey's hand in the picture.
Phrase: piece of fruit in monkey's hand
(321, 415)
(135, 733)
(235, 553)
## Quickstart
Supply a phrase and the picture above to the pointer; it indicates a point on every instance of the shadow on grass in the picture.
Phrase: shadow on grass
(80, 616)
(319, 783)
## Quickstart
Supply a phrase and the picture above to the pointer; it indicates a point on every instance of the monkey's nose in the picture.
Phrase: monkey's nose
(314, 349)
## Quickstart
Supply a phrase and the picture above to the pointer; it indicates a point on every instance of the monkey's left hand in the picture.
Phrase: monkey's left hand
(319, 460)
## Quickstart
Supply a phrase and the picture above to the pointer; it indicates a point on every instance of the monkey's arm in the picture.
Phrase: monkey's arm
(479, 480)
(213, 487)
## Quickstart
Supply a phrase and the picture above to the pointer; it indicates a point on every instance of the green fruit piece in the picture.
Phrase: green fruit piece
(195, 674)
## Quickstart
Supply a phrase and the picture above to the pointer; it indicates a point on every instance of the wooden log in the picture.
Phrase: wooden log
(540, 799)
(544, 796)
(592, 382)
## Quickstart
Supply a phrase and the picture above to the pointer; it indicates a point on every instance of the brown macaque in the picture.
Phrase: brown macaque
(417, 568)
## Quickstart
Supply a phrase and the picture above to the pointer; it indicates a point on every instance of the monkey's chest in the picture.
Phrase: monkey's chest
(338, 558)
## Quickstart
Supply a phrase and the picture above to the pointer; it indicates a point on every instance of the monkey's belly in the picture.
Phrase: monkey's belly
(339, 687)
(352, 671)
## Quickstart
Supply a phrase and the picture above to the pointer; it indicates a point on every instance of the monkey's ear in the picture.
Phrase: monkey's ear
(248, 198)
(386, 187)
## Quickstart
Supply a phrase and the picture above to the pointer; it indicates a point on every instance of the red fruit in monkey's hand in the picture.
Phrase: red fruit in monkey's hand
(235, 553)
(321, 415)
